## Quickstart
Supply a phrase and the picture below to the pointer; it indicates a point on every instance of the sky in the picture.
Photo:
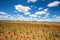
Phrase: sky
(30, 10)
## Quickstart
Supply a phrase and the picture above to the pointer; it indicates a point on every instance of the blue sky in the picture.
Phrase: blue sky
(30, 10)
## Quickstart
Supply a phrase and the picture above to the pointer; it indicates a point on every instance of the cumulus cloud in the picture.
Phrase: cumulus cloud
(46, 15)
(40, 8)
(54, 16)
(26, 13)
(55, 3)
(42, 12)
(33, 15)
(3, 16)
(31, 1)
(2, 13)
(45, 10)
(57, 20)
(58, 17)
(24, 9)
(17, 17)
(33, 6)
(50, 20)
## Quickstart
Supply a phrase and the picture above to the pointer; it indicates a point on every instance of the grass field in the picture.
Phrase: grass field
(29, 31)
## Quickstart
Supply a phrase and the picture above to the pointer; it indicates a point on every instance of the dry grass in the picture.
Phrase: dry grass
(29, 31)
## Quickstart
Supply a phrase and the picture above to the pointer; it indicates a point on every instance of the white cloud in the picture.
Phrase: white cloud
(55, 3)
(42, 12)
(2, 13)
(46, 15)
(21, 8)
(46, 9)
(3, 17)
(57, 20)
(48, 20)
(26, 13)
(40, 8)
(54, 16)
(11, 17)
(33, 15)
(58, 17)
(33, 6)
(31, 1)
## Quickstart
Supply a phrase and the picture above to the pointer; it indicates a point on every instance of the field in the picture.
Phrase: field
(29, 31)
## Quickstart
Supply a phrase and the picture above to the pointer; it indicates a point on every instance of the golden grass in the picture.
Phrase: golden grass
(29, 31)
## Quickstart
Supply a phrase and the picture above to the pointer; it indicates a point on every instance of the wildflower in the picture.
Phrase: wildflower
(21, 36)
(28, 36)
(9, 32)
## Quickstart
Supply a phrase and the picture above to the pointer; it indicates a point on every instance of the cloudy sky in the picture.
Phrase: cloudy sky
(30, 10)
